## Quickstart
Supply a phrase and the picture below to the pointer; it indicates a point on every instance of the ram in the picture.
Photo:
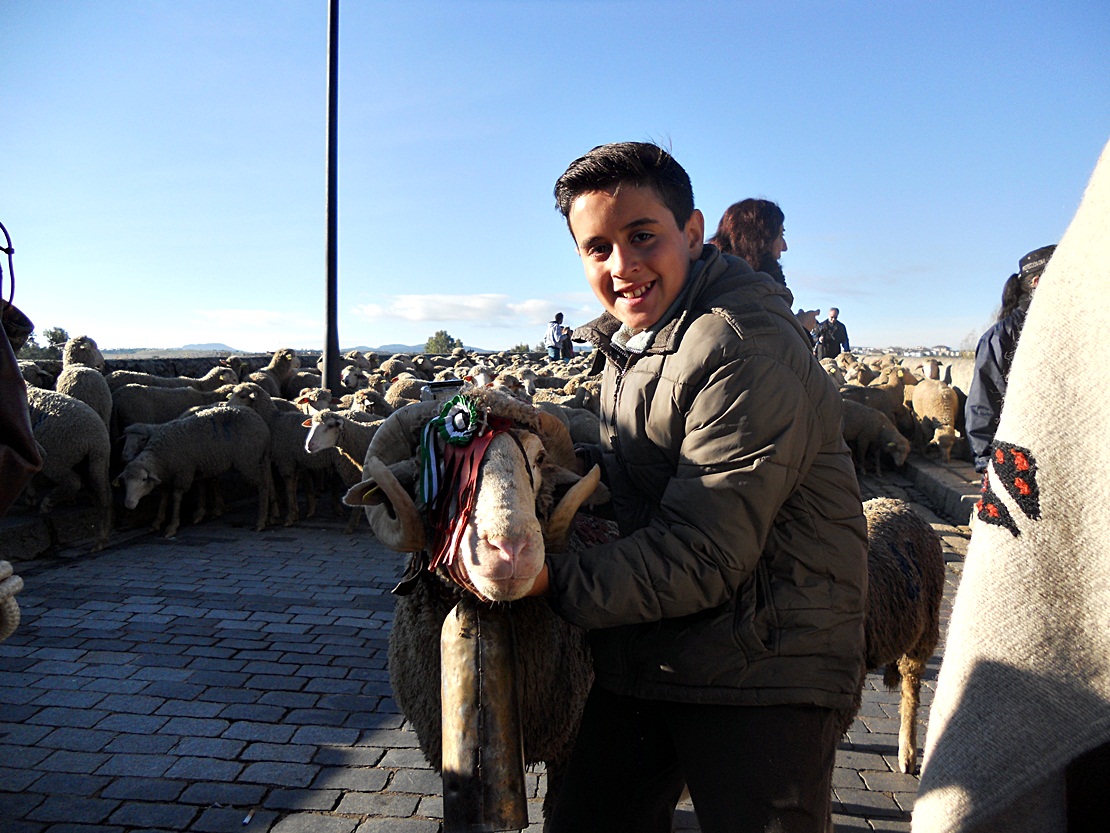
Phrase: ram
(516, 517)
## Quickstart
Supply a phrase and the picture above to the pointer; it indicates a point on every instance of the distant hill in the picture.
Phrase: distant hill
(214, 347)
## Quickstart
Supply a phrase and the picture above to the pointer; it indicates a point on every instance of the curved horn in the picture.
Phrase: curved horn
(389, 508)
(558, 526)
(399, 435)
(557, 441)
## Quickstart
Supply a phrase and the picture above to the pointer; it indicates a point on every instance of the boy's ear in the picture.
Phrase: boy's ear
(695, 234)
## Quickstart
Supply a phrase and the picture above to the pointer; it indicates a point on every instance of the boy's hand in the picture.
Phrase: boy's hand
(542, 584)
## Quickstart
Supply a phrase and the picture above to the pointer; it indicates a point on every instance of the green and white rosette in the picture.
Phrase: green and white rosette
(457, 424)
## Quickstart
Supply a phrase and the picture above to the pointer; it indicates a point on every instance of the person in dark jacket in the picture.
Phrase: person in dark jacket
(830, 338)
(726, 622)
(995, 352)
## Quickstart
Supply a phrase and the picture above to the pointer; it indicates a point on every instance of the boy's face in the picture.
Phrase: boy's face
(635, 255)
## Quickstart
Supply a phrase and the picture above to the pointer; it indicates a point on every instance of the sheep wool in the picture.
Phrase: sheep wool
(1025, 685)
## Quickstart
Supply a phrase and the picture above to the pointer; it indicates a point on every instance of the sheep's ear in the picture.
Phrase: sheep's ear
(117, 482)
(307, 423)
(366, 493)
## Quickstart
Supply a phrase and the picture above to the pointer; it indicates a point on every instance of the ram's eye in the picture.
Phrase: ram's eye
(540, 458)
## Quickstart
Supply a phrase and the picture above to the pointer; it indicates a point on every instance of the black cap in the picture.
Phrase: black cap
(1034, 263)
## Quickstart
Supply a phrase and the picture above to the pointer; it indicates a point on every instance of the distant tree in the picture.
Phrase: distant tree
(55, 336)
(442, 342)
(33, 350)
(520, 348)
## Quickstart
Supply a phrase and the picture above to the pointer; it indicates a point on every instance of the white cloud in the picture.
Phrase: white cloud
(488, 309)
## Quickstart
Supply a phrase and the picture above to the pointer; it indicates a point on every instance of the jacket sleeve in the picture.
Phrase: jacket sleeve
(749, 434)
(985, 395)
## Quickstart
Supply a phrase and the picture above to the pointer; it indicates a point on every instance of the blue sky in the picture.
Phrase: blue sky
(163, 163)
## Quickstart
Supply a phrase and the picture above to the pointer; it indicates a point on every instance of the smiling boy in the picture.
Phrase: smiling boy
(727, 621)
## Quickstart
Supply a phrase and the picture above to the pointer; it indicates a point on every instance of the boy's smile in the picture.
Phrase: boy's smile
(635, 256)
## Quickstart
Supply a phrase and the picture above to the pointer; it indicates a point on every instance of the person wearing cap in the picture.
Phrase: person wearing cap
(994, 353)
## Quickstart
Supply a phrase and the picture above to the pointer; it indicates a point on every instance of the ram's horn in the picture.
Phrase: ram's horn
(556, 440)
(389, 508)
(558, 526)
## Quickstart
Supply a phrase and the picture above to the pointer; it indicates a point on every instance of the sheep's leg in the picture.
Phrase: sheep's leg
(352, 521)
(911, 671)
(310, 494)
(292, 511)
(217, 500)
(175, 515)
(202, 500)
(160, 515)
(264, 483)
(67, 486)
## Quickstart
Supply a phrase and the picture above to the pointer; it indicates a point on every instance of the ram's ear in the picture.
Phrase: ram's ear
(366, 493)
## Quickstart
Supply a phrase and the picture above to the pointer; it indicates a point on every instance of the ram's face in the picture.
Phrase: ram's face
(502, 549)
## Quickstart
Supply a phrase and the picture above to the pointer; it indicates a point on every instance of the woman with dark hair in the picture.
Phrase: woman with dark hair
(994, 353)
(753, 229)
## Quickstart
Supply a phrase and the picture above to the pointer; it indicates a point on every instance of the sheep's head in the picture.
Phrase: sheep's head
(944, 436)
(226, 375)
(82, 350)
(323, 431)
(138, 480)
(489, 529)
(249, 395)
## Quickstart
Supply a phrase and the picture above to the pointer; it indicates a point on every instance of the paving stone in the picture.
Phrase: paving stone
(310, 799)
(362, 779)
(378, 804)
(68, 808)
(281, 774)
(145, 814)
(207, 769)
(416, 781)
(222, 819)
(137, 765)
(290, 753)
(398, 826)
(212, 793)
(143, 789)
(313, 823)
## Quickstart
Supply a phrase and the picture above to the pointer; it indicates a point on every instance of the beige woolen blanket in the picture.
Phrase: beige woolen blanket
(1025, 683)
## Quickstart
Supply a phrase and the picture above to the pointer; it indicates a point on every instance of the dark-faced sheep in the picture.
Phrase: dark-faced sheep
(905, 585)
(517, 515)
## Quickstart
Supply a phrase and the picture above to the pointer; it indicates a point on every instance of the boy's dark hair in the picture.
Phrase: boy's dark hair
(640, 164)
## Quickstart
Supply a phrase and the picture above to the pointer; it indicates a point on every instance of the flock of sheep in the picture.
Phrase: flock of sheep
(278, 428)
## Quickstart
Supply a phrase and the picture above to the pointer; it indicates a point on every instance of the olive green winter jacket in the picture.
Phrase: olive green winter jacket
(741, 571)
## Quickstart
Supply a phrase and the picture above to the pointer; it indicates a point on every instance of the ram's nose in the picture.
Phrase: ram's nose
(505, 554)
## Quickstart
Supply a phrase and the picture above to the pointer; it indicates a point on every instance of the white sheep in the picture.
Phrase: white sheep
(87, 384)
(214, 378)
(139, 403)
(287, 451)
(204, 445)
(75, 439)
(272, 377)
(937, 407)
(82, 350)
(350, 438)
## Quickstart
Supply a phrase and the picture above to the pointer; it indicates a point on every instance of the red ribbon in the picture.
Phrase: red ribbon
(452, 507)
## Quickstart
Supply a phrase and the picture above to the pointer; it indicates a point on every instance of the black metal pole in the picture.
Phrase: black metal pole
(331, 339)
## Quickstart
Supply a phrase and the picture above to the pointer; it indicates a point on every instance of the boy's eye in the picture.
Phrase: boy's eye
(598, 249)
(642, 237)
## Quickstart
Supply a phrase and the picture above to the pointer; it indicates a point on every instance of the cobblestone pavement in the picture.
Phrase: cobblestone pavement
(231, 680)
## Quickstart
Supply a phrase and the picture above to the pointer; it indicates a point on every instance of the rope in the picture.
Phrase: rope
(9, 609)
